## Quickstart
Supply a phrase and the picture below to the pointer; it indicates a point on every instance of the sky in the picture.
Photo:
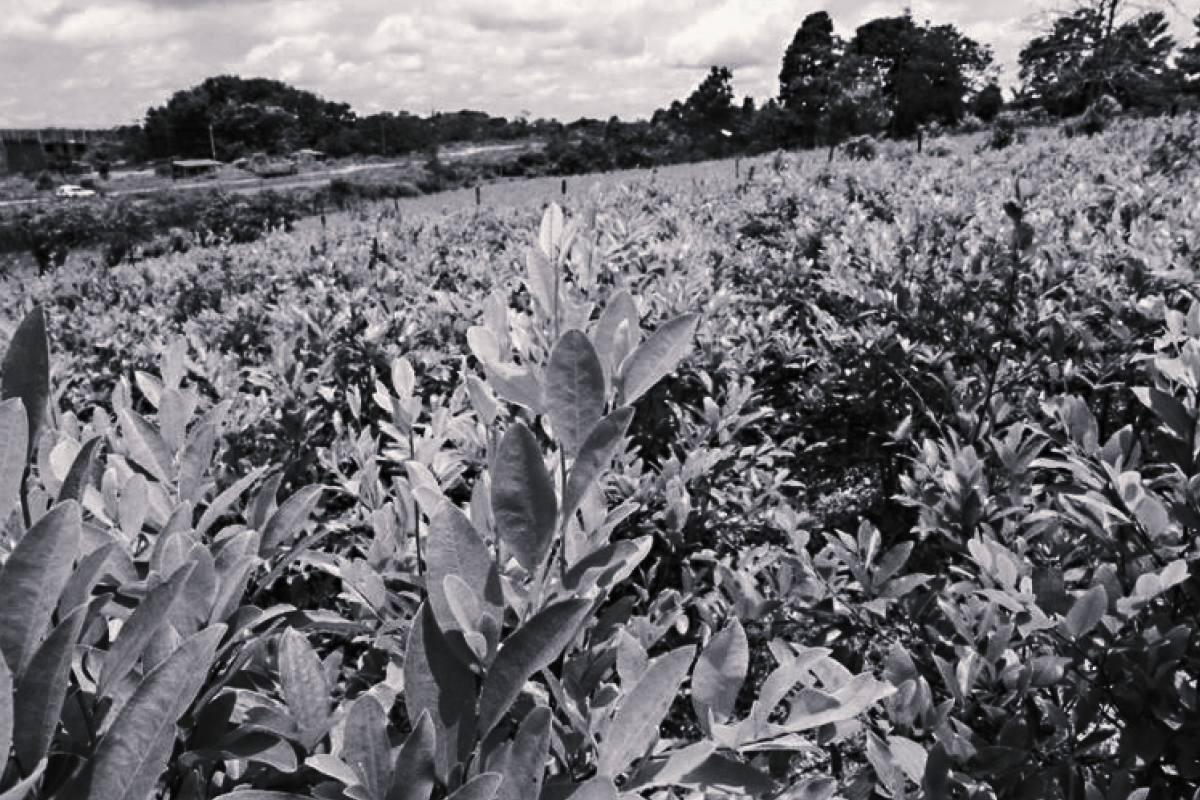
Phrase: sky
(98, 63)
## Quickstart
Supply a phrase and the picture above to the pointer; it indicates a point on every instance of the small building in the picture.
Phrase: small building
(193, 167)
(33, 150)
(308, 154)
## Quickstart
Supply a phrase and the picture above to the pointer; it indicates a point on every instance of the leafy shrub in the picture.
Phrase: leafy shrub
(1096, 119)
(1005, 130)
(861, 148)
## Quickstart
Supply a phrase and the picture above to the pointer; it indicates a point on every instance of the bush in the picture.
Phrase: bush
(1004, 132)
(861, 148)
(1096, 119)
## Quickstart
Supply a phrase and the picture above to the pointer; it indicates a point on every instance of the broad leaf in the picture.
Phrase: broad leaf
(32, 580)
(286, 522)
(146, 446)
(365, 745)
(719, 673)
(812, 789)
(1086, 613)
(524, 505)
(83, 471)
(455, 548)
(6, 708)
(574, 389)
(595, 455)
(482, 787)
(526, 764)
(134, 752)
(223, 502)
(527, 650)
(41, 693)
(550, 235)
(14, 450)
(634, 728)
(142, 625)
(415, 769)
(437, 682)
(22, 789)
(25, 374)
(620, 311)
(657, 357)
(305, 687)
(540, 282)
(601, 787)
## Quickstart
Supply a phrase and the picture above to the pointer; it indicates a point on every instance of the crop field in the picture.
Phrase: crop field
(856, 479)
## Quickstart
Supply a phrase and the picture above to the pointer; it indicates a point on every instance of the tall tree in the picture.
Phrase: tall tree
(809, 83)
(925, 72)
(1188, 62)
(1092, 52)
(708, 114)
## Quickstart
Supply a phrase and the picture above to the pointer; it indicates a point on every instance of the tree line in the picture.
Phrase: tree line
(894, 76)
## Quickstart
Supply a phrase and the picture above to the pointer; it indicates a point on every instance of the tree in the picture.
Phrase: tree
(708, 113)
(988, 102)
(1089, 53)
(925, 72)
(809, 83)
(1188, 63)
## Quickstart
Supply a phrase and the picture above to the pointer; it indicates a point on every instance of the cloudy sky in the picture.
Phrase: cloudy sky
(104, 62)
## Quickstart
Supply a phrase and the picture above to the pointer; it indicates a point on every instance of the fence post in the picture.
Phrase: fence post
(476, 195)
(564, 187)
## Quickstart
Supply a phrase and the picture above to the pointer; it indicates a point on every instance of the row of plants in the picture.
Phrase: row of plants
(867, 479)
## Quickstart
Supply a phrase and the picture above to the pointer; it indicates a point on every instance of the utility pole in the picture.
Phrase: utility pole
(212, 142)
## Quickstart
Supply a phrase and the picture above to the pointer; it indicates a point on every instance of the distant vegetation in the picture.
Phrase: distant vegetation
(893, 77)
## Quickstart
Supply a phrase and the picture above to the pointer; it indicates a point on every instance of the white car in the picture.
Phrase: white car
(69, 190)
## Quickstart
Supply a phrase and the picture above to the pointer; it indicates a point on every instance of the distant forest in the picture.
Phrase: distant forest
(894, 77)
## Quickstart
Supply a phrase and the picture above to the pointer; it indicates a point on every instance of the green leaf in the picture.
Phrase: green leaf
(40, 695)
(365, 745)
(14, 451)
(635, 726)
(91, 568)
(526, 765)
(719, 673)
(134, 752)
(812, 789)
(286, 522)
(195, 459)
(595, 455)
(540, 281)
(481, 787)
(606, 566)
(657, 357)
(1086, 613)
(455, 548)
(550, 235)
(601, 787)
(305, 688)
(437, 682)
(621, 310)
(415, 772)
(32, 580)
(25, 374)
(146, 446)
(813, 708)
(1169, 411)
(141, 626)
(225, 500)
(6, 709)
(82, 472)
(574, 389)
(23, 788)
(524, 505)
(528, 649)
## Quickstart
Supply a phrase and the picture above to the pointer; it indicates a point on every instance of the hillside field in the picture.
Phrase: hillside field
(856, 479)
